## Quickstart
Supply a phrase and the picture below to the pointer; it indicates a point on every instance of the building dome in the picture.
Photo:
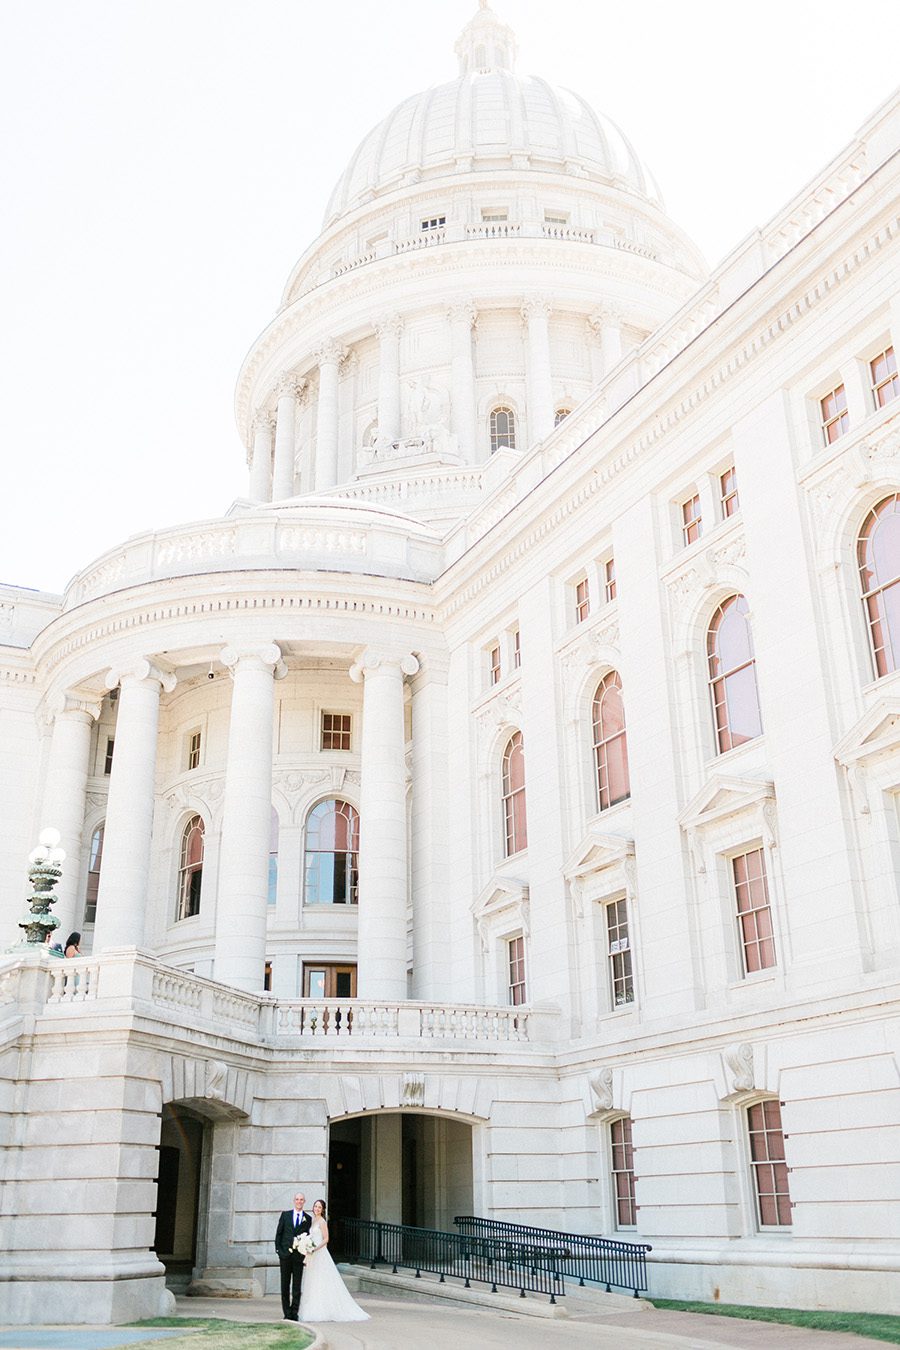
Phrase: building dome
(488, 119)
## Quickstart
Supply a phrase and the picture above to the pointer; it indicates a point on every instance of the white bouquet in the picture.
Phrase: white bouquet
(305, 1244)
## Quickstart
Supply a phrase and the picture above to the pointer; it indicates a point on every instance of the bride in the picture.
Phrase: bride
(325, 1297)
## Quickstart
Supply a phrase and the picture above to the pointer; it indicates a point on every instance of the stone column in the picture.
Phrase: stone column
(610, 338)
(63, 803)
(389, 330)
(122, 897)
(462, 398)
(241, 908)
(383, 843)
(260, 489)
(329, 357)
(536, 313)
(283, 475)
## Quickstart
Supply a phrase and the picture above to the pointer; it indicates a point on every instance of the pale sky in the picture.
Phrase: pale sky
(165, 162)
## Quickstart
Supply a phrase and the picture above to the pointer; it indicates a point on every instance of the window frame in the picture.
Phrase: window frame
(617, 1197)
(691, 516)
(194, 748)
(350, 856)
(717, 680)
(610, 588)
(513, 844)
(90, 902)
(754, 1165)
(516, 970)
(891, 381)
(190, 898)
(743, 943)
(502, 440)
(837, 415)
(729, 496)
(335, 731)
(601, 743)
(876, 617)
(619, 972)
(581, 594)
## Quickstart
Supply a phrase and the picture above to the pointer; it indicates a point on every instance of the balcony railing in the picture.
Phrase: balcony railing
(115, 981)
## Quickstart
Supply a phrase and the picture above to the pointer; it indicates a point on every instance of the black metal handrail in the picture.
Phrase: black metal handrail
(531, 1267)
(585, 1257)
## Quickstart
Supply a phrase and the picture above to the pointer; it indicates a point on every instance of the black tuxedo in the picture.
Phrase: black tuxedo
(291, 1262)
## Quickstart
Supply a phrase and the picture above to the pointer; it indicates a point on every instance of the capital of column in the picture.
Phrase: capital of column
(389, 325)
(68, 703)
(536, 306)
(288, 385)
(254, 656)
(463, 312)
(141, 671)
(329, 353)
(607, 317)
(263, 420)
(376, 658)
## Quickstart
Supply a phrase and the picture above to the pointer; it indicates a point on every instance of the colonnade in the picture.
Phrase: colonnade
(271, 458)
(242, 898)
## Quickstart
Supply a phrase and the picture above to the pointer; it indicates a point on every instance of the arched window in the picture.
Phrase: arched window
(878, 553)
(560, 415)
(331, 862)
(95, 860)
(732, 675)
(190, 872)
(503, 429)
(273, 859)
(610, 745)
(516, 832)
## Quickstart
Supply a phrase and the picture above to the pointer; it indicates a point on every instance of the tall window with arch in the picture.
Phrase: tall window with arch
(190, 870)
(610, 743)
(503, 429)
(95, 861)
(331, 859)
(622, 1172)
(878, 554)
(515, 827)
(732, 675)
(768, 1165)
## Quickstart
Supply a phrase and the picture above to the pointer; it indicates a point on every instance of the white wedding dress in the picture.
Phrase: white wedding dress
(324, 1296)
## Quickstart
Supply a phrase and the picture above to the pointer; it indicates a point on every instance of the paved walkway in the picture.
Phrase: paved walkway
(407, 1324)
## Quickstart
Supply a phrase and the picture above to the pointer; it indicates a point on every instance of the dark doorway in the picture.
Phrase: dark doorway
(178, 1191)
(343, 1174)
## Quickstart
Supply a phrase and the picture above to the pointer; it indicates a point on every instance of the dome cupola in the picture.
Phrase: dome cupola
(486, 44)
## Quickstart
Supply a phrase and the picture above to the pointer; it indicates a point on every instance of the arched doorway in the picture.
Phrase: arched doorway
(181, 1151)
(401, 1167)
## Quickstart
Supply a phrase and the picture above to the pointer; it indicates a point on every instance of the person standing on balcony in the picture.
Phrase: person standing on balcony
(292, 1223)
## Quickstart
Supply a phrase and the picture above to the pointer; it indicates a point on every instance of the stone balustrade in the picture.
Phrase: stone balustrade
(42, 986)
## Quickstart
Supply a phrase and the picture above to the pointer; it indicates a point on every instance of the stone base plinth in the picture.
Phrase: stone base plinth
(43, 1302)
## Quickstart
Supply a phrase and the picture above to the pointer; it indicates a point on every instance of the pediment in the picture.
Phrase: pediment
(597, 851)
(877, 730)
(501, 893)
(724, 795)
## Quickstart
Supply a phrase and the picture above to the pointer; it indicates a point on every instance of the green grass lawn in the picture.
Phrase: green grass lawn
(877, 1326)
(218, 1333)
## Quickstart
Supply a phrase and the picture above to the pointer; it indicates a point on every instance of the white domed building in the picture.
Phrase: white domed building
(495, 812)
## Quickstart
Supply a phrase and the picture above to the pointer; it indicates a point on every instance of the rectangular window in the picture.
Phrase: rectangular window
(336, 728)
(767, 1163)
(329, 981)
(690, 519)
(623, 1172)
(582, 600)
(517, 649)
(516, 965)
(885, 381)
(494, 664)
(834, 416)
(728, 493)
(267, 978)
(493, 214)
(110, 747)
(556, 218)
(621, 978)
(609, 579)
(434, 223)
(754, 913)
(194, 750)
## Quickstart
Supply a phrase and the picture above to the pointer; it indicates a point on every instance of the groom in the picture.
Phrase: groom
(292, 1223)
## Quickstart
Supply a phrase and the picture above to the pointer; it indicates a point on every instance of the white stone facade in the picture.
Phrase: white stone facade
(392, 569)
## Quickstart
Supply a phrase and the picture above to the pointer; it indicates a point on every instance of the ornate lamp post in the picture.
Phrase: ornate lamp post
(44, 872)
